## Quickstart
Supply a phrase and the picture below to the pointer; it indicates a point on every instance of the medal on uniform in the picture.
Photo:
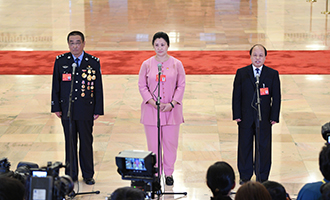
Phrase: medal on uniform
(93, 77)
(84, 75)
(82, 94)
(93, 71)
(89, 77)
(83, 86)
(88, 87)
(92, 95)
(92, 87)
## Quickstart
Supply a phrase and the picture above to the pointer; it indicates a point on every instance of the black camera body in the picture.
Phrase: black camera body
(326, 132)
(40, 183)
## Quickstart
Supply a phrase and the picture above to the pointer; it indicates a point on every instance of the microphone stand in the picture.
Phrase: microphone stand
(159, 192)
(257, 159)
(69, 115)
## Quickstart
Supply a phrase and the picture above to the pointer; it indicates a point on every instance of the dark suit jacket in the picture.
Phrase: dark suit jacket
(87, 89)
(244, 94)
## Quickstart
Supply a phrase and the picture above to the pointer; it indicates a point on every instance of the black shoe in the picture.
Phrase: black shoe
(89, 181)
(74, 179)
(242, 181)
(169, 180)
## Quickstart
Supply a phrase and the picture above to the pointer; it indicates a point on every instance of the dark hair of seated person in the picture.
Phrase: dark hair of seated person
(325, 191)
(276, 190)
(220, 178)
(252, 190)
(11, 189)
(127, 193)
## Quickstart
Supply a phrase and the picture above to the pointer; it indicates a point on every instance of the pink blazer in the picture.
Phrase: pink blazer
(170, 89)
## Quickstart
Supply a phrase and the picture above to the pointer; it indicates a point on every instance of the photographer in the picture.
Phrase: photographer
(11, 189)
(127, 193)
(311, 191)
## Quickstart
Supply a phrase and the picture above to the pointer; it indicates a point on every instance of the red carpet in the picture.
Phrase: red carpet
(195, 62)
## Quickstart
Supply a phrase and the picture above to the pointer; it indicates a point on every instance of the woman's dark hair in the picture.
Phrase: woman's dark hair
(252, 190)
(220, 178)
(276, 190)
(161, 35)
(127, 193)
(260, 45)
(11, 189)
(324, 161)
(325, 191)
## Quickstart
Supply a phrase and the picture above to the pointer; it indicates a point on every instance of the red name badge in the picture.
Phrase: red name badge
(162, 78)
(66, 77)
(264, 91)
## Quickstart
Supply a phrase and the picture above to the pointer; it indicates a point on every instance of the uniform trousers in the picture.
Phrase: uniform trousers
(245, 160)
(83, 128)
(169, 138)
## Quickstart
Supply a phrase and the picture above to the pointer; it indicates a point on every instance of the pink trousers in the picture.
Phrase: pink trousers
(169, 144)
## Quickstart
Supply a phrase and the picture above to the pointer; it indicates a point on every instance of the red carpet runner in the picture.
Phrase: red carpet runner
(195, 62)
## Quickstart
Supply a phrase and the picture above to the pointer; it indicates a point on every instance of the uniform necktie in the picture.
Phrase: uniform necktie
(77, 61)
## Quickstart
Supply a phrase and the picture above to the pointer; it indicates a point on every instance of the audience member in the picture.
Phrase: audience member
(127, 193)
(276, 190)
(252, 190)
(220, 178)
(325, 191)
(311, 191)
(11, 189)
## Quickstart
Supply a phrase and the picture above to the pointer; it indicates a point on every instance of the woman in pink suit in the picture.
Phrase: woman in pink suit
(172, 87)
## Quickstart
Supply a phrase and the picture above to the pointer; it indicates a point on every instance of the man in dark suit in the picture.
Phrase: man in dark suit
(87, 103)
(245, 113)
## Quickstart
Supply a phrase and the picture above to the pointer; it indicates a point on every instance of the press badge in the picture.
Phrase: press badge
(264, 91)
(162, 78)
(66, 77)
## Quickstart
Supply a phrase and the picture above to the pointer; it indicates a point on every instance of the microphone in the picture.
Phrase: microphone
(74, 65)
(159, 68)
(257, 77)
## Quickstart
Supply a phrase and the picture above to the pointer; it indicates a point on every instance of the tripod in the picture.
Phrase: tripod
(69, 115)
(159, 192)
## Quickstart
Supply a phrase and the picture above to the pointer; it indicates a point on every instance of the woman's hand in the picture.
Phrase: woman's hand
(165, 107)
(153, 103)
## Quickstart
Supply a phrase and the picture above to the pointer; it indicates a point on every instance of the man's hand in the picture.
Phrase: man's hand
(58, 114)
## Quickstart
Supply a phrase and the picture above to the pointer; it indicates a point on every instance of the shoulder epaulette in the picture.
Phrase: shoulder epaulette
(96, 58)
(60, 56)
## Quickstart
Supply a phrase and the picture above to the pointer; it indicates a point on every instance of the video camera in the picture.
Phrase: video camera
(40, 183)
(325, 130)
(139, 167)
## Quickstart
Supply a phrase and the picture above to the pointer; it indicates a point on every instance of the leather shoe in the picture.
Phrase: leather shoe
(74, 179)
(169, 180)
(242, 181)
(89, 181)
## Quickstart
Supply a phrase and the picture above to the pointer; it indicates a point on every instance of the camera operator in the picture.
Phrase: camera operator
(11, 189)
(127, 193)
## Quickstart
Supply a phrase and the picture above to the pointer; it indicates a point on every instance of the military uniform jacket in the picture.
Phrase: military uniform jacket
(87, 95)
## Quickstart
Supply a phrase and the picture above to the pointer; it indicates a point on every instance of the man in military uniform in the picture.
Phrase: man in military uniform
(79, 73)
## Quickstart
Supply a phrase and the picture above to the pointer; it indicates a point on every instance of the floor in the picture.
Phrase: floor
(29, 132)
